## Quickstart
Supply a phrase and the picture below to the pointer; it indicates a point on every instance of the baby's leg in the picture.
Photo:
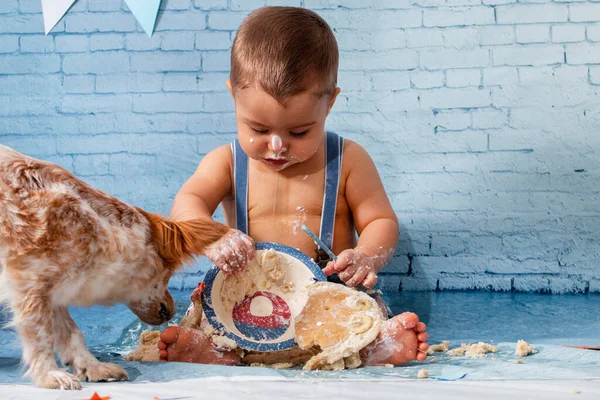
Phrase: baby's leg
(192, 345)
(189, 343)
(402, 339)
(399, 341)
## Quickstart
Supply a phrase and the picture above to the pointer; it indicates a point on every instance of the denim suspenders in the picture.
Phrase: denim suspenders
(334, 146)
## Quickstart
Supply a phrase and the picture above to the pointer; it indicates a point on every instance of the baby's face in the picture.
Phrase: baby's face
(280, 136)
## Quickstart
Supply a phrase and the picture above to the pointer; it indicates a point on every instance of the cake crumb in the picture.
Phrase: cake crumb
(476, 350)
(524, 349)
(389, 365)
(423, 374)
(433, 360)
(519, 361)
(223, 343)
(575, 391)
(283, 365)
(441, 347)
(147, 349)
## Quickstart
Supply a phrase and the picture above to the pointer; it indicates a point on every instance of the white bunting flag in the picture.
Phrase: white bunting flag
(53, 11)
(145, 11)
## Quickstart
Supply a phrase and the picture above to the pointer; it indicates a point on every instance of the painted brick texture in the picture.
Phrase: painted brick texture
(481, 115)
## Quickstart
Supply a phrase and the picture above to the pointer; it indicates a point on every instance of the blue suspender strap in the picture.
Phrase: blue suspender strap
(334, 148)
(240, 175)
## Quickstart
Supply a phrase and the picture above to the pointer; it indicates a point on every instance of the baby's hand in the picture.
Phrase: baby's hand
(232, 252)
(354, 268)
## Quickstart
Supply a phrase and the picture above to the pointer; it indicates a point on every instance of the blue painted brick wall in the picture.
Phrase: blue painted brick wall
(481, 115)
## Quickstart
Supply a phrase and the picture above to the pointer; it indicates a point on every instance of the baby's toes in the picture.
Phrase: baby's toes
(408, 320)
(422, 337)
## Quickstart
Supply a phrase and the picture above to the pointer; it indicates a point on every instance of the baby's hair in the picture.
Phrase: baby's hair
(285, 51)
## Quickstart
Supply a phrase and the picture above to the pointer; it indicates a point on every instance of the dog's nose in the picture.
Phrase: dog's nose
(165, 313)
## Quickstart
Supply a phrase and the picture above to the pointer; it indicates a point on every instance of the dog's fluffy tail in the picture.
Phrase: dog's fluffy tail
(180, 241)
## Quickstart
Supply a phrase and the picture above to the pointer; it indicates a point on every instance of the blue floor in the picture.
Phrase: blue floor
(504, 317)
(501, 318)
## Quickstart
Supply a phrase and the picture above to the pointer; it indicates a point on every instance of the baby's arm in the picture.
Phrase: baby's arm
(200, 196)
(210, 184)
(374, 219)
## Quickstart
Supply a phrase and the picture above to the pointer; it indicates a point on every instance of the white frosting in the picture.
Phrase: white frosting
(276, 143)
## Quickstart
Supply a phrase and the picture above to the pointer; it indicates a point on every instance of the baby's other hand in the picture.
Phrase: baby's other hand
(354, 268)
(232, 252)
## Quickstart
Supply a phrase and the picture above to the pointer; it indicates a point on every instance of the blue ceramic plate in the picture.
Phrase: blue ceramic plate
(264, 320)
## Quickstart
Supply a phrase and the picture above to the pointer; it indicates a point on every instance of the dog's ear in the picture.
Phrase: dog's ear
(180, 241)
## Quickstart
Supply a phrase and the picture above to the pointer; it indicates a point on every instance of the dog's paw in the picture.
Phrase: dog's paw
(57, 379)
(101, 372)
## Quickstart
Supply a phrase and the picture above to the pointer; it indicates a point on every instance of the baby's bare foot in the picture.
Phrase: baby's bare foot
(191, 345)
(399, 342)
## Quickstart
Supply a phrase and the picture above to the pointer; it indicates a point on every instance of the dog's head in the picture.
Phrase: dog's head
(175, 243)
(156, 306)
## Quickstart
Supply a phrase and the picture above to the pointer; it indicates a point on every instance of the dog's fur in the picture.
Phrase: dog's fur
(63, 243)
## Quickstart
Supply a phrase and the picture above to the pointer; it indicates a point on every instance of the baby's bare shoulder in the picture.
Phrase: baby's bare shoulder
(355, 156)
(221, 153)
(213, 173)
(354, 152)
(219, 158)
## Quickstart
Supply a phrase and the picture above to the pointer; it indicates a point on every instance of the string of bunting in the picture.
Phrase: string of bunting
(145, 11)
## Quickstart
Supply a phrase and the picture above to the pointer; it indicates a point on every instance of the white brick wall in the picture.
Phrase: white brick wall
(482, 117)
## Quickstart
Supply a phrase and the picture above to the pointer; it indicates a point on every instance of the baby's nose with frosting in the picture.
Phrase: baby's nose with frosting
(276, 143)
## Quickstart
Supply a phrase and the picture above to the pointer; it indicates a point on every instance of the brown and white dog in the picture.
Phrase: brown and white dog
(63, 243)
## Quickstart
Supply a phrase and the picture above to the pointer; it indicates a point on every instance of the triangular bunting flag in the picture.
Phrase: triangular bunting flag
(53, 11)
(145, 11)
